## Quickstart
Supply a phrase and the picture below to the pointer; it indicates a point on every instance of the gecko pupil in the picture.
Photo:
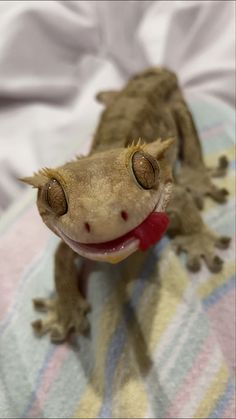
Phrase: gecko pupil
(55, 197)
(145, 169)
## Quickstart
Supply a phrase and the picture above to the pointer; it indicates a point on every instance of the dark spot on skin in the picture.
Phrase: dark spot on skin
(124, 215)
(87, 226)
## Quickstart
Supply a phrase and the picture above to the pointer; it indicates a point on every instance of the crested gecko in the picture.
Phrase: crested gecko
(120, 198)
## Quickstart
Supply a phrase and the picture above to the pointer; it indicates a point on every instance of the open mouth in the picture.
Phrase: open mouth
(146, 234)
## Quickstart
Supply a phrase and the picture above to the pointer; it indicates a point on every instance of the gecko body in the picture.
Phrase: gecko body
(120, 198)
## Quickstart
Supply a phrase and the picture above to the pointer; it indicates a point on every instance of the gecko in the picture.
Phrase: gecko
(145, 176)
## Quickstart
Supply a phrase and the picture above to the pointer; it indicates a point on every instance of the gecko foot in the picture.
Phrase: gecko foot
(61, 318)
(198, 182)
(200, 246)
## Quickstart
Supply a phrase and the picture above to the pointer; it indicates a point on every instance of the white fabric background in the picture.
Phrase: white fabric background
(56, 55)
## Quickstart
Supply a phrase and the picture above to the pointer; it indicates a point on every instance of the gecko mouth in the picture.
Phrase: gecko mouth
(146, 234)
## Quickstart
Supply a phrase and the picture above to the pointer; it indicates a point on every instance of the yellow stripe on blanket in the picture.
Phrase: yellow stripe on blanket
(90, 405)
(213, 393)
(91, 401)
(162, 298)
(130, 399)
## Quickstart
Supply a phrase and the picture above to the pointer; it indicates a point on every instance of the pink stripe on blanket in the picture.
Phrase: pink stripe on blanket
(193, 376)
(50, 374)
(222, 317)
(18, 248)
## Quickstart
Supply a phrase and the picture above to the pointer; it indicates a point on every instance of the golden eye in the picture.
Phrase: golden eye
(145, 169)
(55, 197)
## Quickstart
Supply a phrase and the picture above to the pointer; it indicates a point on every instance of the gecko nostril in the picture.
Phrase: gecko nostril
(87, 226)
(124, 215)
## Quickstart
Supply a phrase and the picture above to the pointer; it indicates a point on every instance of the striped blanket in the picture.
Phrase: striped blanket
(161, 344)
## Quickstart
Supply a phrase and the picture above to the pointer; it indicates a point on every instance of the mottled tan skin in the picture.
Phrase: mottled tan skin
(151, 106)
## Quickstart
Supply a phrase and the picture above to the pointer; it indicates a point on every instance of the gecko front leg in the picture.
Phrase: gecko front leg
(198, 182)
(193, 174)
(190, 234)
(67, 311)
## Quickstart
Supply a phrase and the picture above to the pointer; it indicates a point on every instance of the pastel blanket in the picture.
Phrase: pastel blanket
(161, 345)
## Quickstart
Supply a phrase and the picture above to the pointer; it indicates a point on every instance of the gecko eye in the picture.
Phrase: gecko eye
(145, 169)
(55, 197)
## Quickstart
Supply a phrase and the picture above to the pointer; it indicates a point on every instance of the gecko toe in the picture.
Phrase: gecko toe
(223, 242)
(223, 162)
(219, 195)
(193, 263)
(58, 333)
(37, 326)
(43, 304)
(214, 263)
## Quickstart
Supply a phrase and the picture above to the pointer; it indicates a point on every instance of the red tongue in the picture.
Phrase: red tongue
(151, 230)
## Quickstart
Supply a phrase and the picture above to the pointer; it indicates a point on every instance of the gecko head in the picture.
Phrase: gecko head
(109, 204)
